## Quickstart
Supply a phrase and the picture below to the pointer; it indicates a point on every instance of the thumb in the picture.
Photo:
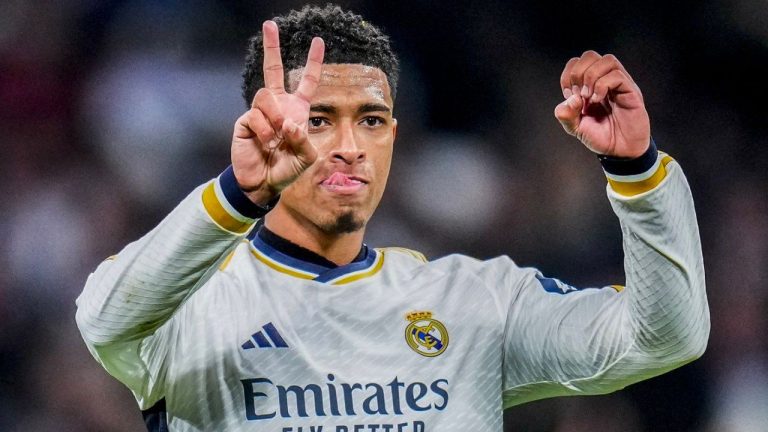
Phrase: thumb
(568, 113)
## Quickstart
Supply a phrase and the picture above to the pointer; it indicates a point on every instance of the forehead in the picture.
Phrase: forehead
(348, 79)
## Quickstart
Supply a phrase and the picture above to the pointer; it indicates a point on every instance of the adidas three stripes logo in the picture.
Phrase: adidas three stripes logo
(267, 337)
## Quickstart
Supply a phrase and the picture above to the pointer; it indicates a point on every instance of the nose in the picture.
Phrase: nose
(347, 149)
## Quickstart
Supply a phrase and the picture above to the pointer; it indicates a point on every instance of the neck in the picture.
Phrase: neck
(340, 249)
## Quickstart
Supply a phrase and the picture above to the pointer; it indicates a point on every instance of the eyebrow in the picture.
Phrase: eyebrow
(373, 107)
(323, 108)
(364, 108)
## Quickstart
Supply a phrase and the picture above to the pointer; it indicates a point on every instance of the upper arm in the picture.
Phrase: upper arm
(556, 337)
(139, 362)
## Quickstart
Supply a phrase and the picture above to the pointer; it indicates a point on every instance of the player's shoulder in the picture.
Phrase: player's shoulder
(395, 252)
(405, 254)
(234, 260)
(459, 259)
(457, 262)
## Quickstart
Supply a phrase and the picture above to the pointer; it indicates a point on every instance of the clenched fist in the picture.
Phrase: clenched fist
(603, 106)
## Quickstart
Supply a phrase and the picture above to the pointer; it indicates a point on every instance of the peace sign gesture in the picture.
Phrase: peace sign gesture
(270, 145)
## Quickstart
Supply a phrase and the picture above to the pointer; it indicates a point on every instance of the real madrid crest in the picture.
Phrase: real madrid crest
(426, 335)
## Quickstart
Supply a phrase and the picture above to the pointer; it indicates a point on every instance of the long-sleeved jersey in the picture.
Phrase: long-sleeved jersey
(212, 329)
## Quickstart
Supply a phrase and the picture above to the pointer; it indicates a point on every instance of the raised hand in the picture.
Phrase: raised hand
(270, 145)
(603, 106)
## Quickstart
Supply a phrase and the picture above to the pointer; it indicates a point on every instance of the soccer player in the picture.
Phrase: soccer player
(244, 312)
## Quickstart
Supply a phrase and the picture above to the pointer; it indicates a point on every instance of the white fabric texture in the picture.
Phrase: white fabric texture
(167, 319)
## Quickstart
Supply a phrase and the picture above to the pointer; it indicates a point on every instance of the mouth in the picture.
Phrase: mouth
(344, 184)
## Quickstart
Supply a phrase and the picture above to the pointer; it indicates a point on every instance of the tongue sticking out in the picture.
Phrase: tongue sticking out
(339, 179)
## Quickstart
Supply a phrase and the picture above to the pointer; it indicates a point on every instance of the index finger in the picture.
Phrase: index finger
(565, 77)
(310, 78)
(273, 62)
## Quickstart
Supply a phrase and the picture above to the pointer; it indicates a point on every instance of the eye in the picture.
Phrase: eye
(316, 122)
(372, 121)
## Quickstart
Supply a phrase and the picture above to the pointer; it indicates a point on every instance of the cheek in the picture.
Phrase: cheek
(382, 168)
(382, 156)
(322, 141)
(299, 191)
(383, 149)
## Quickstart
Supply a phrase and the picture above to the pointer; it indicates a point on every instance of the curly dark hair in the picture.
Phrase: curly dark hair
(348, 39)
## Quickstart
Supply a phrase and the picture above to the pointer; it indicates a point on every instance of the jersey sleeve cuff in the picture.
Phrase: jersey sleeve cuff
(630, 177)
(228, 206)
(634, 166)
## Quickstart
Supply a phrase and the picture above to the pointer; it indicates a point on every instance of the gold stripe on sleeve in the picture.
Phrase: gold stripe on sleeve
(636, 188)
(220, 215)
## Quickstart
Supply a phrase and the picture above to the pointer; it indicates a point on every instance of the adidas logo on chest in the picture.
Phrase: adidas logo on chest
(265, 338)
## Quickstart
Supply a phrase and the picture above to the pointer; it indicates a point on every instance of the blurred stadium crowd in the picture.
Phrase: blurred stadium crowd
(111, 111)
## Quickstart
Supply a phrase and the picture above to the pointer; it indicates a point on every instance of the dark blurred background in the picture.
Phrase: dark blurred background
(112, 111)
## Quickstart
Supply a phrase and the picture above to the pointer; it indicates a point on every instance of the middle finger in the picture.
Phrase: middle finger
(577, 71)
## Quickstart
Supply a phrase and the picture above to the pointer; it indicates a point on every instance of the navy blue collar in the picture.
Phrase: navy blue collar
(308, 264)
(291, 249)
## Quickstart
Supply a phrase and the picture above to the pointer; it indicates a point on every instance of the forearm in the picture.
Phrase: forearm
(132, 294)
(664, 269)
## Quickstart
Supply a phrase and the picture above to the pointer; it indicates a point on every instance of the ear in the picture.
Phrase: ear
(394, 128)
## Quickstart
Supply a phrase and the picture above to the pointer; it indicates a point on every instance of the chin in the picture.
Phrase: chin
(344, 223)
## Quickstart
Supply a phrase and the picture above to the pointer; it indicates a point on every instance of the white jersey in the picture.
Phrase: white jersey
(214, 331)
